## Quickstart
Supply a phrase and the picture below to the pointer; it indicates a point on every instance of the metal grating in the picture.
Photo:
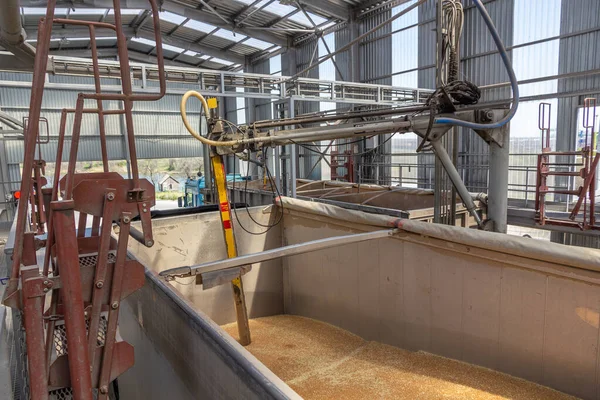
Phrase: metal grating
(67, 394)
(18, 358)
(60, 336)
(91, 260)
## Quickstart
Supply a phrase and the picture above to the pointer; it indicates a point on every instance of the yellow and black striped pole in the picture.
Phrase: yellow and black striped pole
(225, 211)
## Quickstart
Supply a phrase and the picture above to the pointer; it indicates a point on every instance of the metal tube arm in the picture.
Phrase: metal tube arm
(280, 252)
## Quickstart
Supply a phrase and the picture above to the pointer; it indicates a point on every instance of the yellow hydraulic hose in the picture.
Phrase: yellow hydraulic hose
(184, 99)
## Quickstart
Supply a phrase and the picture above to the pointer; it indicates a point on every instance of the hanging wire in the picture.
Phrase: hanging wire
(271, 181)
(354, 154)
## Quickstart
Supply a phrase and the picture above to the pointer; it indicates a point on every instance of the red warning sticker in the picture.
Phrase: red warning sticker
(224, 206)
(227, 224)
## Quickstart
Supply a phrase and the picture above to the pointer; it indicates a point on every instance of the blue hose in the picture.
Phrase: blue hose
(511, 74)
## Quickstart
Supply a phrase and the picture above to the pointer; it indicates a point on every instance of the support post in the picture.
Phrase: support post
(498, 183)
(231, 246)
(33, 312)
(68, 262)
(293, 155)
(454, 176)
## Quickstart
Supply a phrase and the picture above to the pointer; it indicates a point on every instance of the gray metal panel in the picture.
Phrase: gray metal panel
(473, 151)
(574, 239)
(578, 53)
(427, 44)
(180, 353)
(376, 56)
(262, 108)
(304, 56)
(483, 71)
(343, 37)
(89, 149)
(157, 125)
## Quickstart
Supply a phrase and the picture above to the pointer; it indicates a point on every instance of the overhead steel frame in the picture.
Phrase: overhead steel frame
(225, 84)
(84, 275)
(257, 86)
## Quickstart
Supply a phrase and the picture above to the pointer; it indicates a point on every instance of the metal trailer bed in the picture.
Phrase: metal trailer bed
(401, 202)
(510, 304)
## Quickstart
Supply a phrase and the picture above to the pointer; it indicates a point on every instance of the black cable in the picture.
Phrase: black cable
(246, 191)
(340, 144)
(269, 227)
(354, 154)
(460, 92)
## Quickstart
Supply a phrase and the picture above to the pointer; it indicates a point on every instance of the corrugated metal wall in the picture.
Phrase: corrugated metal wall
(306, 54)
(157, 125)
(376, 67)
(578, 53)
(482, 70)
(376, 55)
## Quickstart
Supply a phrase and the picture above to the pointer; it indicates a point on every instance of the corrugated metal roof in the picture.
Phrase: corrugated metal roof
(275, 19)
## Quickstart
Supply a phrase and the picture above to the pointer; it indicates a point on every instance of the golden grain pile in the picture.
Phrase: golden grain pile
(321, 361)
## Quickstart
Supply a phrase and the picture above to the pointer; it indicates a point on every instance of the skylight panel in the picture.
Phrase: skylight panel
(88, 11)
(98, 39)
(199, 26)
(259, 44)
(220, 61)
(170, 17)
(248, 2)
(302, 19)
(225, 34)
(126, 11)
(144, 41)
(280, 9)
(327, 25)
(172, 48)
(42, 11)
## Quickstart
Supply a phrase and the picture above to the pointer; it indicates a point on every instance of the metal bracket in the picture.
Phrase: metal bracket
(135, 195)
(491, 135)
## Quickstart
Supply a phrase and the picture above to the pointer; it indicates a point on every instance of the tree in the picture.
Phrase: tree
(150, 169)
(190, 166)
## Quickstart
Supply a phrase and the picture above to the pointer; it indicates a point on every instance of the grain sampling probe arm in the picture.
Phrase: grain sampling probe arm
(450, 105)
(70, 303)
(259, 135)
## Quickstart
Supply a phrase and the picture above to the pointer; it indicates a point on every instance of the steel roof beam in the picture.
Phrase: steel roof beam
(236, 17)
(334, 8)
(112, 52)
(145, 34)
(210, 18)
(175, 8)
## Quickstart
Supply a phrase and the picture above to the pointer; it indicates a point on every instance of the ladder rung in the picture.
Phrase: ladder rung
(563, 153)
(563, 164)
(560, 191)
(562, 173)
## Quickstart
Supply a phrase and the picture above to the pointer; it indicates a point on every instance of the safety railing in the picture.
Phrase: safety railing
(410, 171)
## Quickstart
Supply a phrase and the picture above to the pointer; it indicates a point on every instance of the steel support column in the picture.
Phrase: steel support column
(293, 155)
(498, 183)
